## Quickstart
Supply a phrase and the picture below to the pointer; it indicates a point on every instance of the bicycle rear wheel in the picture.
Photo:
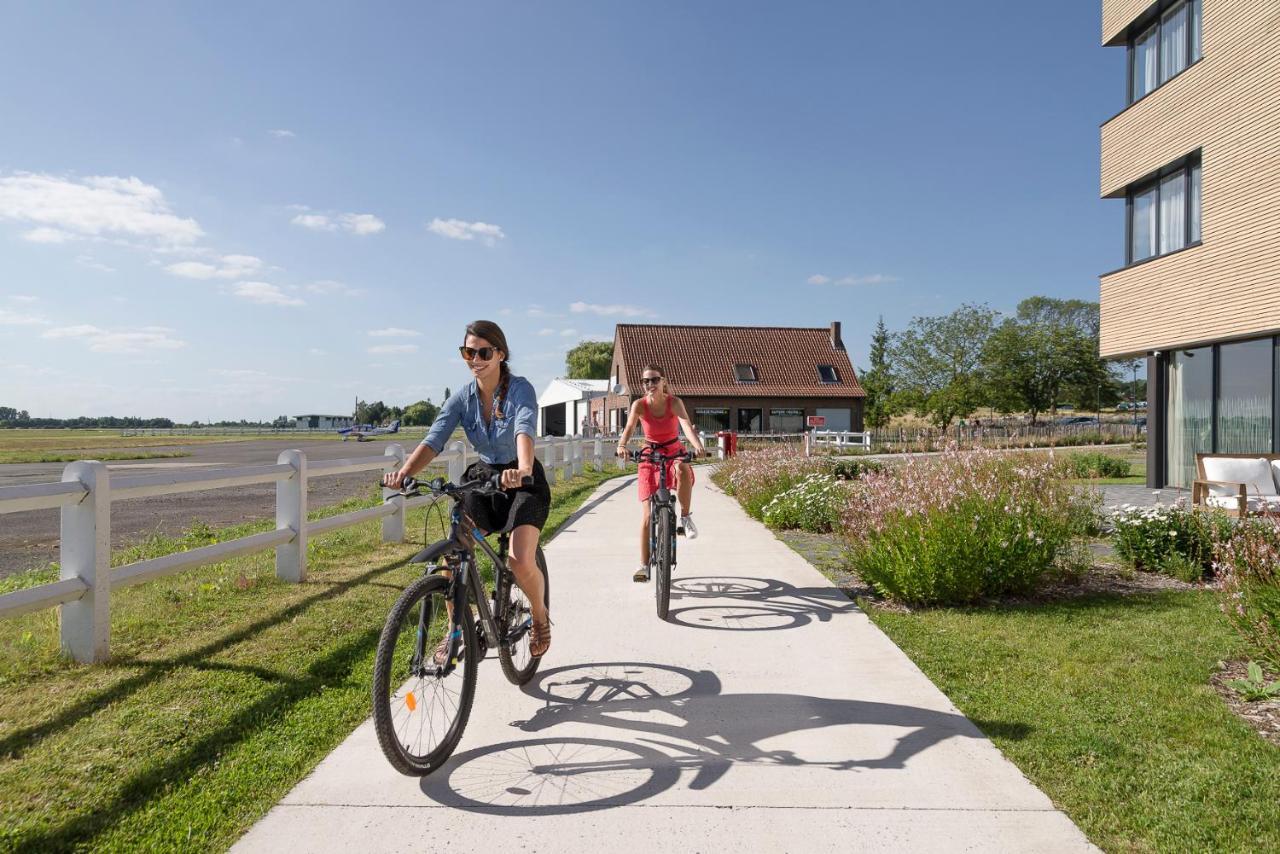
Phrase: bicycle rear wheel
(419, 710)
(518, 664)
(662, 567)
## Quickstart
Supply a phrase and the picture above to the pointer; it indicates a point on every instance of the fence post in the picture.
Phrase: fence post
(458, 464)
(85, 625)
(578, 455)
(599, 452)
(393, 525)
(291, 512)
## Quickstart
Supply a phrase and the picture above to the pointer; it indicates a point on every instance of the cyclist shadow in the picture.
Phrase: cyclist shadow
(669, 720)
(755, 604)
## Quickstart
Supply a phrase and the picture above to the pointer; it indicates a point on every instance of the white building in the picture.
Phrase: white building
(565, 404)
(322, 422)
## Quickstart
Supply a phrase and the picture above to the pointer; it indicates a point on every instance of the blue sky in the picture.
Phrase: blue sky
(239, 210)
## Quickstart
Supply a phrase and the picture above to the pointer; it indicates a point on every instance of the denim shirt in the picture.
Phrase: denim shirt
(495, 442)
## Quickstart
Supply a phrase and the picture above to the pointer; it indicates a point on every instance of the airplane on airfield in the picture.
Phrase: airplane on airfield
(366, 432)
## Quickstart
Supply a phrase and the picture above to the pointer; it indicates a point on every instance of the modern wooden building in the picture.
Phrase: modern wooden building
(751, 379)
(1195, 157)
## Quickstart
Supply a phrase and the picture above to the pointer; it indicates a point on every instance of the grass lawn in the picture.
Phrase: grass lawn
(1105, 704)
(226, 687)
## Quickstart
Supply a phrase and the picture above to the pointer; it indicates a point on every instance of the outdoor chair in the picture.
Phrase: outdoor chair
(1242, 483)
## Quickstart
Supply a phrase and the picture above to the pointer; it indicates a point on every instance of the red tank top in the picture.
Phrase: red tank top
(659, 431)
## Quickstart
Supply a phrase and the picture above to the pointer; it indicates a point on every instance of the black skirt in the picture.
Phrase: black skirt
(528, 505)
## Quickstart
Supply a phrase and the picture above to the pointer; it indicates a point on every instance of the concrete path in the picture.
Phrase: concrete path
(768, 715)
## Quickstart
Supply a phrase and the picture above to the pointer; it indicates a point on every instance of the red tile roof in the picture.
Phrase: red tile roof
(699, 360)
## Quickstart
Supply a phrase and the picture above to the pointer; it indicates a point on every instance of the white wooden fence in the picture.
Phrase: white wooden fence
(87, 491)
(840, 439)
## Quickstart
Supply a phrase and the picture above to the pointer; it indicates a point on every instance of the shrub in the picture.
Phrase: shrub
(814, 504)
(756, 477)
(1168, 538)
(963, 526)
(1096, 464)
(1249, 563)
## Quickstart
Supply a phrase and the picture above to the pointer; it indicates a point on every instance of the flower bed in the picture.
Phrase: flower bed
(1249, 564)
(1169, 539)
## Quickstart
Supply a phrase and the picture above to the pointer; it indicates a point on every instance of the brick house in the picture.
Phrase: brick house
(752, 379)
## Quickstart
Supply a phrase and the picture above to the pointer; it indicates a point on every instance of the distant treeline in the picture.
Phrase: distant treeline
(10, 418)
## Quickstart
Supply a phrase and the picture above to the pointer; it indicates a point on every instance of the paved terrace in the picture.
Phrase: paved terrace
(769, 715)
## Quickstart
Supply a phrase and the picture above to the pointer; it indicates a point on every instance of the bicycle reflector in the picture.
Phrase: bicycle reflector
(410, 702)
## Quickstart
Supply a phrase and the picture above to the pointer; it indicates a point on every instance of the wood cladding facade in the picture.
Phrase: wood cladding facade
(1227, 107)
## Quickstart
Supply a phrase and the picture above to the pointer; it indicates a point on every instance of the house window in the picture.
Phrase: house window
(750, 420)
(1163, 50)
(1164, 211)
(711, 420)
(786, 420)
(744, 373)
(827, 374)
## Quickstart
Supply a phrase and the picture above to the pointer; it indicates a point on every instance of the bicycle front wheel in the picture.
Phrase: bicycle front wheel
(421, 706)
(662, 569)
(518, 664)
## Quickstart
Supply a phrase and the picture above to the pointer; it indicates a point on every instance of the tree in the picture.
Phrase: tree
(8, 413)
(590, 360)
(420, 414)
(446, 395)
(939, 366)
(877, 381)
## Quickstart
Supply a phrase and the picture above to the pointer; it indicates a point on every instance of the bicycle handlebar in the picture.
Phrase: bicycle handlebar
(652, 455)
(411, 487)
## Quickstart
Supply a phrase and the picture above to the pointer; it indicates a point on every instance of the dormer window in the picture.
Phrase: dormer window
(744, 373)
(827, 374)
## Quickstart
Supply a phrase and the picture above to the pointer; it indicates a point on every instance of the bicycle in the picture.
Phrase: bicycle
(430, 636)
(662, 524)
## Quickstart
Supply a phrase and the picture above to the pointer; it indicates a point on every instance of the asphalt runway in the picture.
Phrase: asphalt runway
(30, 540)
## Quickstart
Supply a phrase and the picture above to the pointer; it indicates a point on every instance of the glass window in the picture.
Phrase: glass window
(711, 420)
(786, 420)
(1144, 225)
(1145, 57)
(750, 420)
(1244, 397)
(1174, 41)
(1195, 202)
(744, 373)
(1173, 212)
(1195, 30)
(827, 374)
(1189, 411)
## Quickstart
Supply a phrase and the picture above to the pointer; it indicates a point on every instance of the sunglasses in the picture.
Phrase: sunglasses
(650, 380)
(484, 354)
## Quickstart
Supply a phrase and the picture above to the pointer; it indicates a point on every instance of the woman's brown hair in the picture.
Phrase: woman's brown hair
(492, 332)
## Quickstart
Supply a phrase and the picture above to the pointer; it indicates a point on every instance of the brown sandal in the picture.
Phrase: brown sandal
(539, 638)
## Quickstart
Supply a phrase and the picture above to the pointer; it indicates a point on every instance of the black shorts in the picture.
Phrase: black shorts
(528, 505)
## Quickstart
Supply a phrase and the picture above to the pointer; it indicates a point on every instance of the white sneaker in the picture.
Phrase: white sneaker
(641, 574)
(687, 527)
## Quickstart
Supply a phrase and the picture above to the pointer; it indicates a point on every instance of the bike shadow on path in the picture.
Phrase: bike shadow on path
(753, 604)
(669, 720)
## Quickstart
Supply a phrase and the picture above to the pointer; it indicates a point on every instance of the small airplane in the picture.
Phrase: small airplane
(366, 432)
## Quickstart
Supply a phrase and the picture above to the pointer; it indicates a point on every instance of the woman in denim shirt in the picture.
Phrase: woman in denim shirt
(499, 413)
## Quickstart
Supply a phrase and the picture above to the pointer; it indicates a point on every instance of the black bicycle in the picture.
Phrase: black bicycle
(424, 677)
(662, 524)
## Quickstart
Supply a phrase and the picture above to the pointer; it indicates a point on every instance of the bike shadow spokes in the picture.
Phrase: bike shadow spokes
(754, 604)
(670, 720)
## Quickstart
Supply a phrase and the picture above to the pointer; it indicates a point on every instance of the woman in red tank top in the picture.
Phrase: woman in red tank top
(662, 415)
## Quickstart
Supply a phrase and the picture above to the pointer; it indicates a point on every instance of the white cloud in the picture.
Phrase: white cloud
(546, 332)
(328, 286)
(265, 294)
(609, 310)
(92, 264)
(387, 349)
(23, 298)
(96, 206)
(352, 223)
(47, 235)
(281, 133)
(459, 229)
(101, 340)
(227, 267)
(538, 311)
(394, 332)
(10, 318)
(568, 333)
(870, 279)
(315, 351)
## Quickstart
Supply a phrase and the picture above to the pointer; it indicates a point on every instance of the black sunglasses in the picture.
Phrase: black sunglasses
(484, 353)
(650, 380)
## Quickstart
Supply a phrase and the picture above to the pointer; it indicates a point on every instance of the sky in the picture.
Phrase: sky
(241, 210)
